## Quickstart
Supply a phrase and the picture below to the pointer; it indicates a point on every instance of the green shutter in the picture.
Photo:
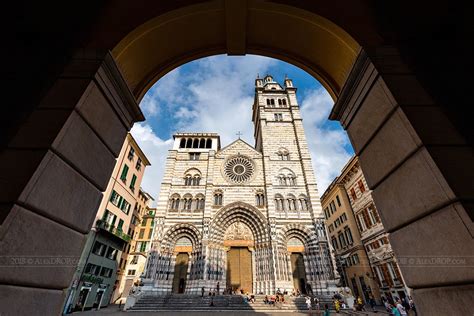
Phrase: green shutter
(132, 184)
(124, 173)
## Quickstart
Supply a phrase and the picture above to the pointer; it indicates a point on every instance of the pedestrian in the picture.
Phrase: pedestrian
(308, 302)
(202, 291)
(360, 303)
(401, 309)
(316, 303)
(217, 286)
(326, 310)
(337, 305)
(412, 305)
(372, 301)
(393, 310)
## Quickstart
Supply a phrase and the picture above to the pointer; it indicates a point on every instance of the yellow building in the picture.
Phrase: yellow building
(382, 259)
(132, 262)
(351, 259)
(96, 280)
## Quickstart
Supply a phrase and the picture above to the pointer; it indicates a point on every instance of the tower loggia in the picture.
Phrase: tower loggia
(244, 217)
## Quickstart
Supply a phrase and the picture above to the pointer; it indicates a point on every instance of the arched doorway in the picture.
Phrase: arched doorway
(296, 249)
(183, 250)
(239, 242)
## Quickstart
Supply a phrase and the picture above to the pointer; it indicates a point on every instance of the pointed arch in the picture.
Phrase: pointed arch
(174, 233)
(240, 212)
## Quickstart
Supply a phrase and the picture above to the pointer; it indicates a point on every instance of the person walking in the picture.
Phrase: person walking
(412, 305)
(217, 287)
(360, 304)
(337, 305)
(202, 291)
(401, 309)
(308, 303)
(372, 302)
(326, 310)
(393, 310)
(316, 303)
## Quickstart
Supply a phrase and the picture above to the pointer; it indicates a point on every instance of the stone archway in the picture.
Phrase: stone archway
(422, 169)
(173, 264)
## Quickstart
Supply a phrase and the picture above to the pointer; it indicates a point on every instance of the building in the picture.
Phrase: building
(132, 262)
(349, 252)
(372, 233)
(242, 217)
(95, 280)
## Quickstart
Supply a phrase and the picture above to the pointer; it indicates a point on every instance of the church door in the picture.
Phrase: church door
(299, 272)
(180, 272)
(239, 269)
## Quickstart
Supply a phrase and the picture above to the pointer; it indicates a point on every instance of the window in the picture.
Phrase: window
(218, 198)
(194, 156)
(132, 183)
(106, 272)
(144, 221)
(334, 243)
(92, 269)
(120, 224)
(353, 194)
(331, 228)
(361, 222)
(123, 176)
(131, 153)
(142, 232)
(134, 260)
(120, 202)
(278, 117)
(272, 101)
(150, 232)
(372, 219)
(332, 206)
(338, 200)
(131, 272)
(373, 214)
(337, 223)
(259, 199)
(138, 166)
(99, 248)
(196, 180)
(361, 186)
(347, 232)
(343, 217)
(200, 203)
(143, 246)
(342, 240)
(326, 213)
(112, 253)
(355, 259)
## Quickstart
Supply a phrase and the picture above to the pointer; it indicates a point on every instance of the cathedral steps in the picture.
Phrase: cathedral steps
(181, 302)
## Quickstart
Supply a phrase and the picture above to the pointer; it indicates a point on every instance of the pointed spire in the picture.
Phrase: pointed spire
(258, 75)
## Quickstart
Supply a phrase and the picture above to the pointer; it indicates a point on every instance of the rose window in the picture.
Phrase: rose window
(239, 169)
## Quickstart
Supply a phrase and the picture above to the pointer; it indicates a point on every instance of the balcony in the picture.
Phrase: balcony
(101, 224)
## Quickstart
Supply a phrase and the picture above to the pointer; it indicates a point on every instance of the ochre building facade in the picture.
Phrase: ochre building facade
(242, 218)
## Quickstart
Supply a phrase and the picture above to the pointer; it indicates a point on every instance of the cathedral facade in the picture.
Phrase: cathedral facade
(241, 217)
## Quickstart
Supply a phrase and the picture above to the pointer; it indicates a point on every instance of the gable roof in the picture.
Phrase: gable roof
(238, 141)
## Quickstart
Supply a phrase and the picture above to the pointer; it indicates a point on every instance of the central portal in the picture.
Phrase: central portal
(238, 238)
(239, 269)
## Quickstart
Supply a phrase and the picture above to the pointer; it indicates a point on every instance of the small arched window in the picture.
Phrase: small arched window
(279, 202)
(272, 101)
(174, 202)
(188, 180)
(268, 101)
(303, 202)
(218, 198)
(182, 143)
(202, 143)
(291, 202)
(196, 143)
(260, 199)
(209, 143)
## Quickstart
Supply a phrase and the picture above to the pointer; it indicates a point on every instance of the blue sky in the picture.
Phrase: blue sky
(215, 94)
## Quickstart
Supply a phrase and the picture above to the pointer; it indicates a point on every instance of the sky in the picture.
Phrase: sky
(215, 94)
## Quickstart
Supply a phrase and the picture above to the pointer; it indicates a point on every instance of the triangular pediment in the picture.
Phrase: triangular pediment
(238, 147)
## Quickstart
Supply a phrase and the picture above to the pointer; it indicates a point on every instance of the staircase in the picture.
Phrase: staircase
(188, 302)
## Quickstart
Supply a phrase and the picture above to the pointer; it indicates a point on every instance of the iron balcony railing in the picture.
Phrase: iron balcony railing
(112, 229)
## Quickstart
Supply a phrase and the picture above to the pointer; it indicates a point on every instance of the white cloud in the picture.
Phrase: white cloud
(215, 95)
(326, 145)
(156, 151)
